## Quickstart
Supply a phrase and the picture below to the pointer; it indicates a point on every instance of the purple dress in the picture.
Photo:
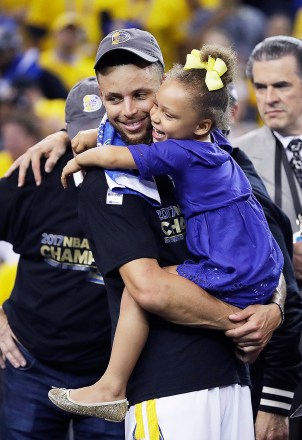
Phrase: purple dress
(235, 256)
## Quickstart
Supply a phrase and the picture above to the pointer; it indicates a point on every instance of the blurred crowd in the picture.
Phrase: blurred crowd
(46, 47)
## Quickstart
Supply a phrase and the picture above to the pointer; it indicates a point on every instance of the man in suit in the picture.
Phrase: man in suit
(275, 70)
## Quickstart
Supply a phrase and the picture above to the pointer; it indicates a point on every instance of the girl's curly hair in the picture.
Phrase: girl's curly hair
(214, 104)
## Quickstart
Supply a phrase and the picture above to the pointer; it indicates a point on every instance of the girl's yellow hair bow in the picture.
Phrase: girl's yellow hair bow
(215, 69)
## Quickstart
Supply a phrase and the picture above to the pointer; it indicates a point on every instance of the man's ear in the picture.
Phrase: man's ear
(100, 91)
(203, 127)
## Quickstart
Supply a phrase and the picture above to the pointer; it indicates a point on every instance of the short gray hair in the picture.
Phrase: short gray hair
(273, 48)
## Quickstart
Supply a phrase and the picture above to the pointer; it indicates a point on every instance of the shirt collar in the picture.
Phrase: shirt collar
(285, 140)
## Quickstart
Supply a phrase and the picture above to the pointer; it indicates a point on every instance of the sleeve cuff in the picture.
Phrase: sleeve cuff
(275, 400)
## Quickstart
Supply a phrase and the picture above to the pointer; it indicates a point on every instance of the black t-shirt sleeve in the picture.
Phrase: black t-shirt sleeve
(7, 197)
(249, 170)
(13, 200)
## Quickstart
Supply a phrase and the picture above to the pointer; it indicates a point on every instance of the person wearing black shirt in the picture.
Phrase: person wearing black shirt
(55, 328)
(177, 359)
(178, 362)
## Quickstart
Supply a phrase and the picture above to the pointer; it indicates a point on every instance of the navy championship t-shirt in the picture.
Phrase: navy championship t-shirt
(58, 308)
(176, 359)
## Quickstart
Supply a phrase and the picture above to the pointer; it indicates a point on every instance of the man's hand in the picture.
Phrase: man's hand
(8, 348)
(297, 260)
(70, 168)
(84, 140)
(271, 426)
(258, 324)
(53, 147)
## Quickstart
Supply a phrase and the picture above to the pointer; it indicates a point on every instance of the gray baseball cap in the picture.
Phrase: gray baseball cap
(139, 42)
(84, 108)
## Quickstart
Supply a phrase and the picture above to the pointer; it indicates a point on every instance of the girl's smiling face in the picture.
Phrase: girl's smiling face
(173, 115)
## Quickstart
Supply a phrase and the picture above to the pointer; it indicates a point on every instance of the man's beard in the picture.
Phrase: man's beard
(146, 138)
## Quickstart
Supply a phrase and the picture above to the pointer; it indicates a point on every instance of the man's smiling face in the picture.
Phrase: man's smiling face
(128, 92)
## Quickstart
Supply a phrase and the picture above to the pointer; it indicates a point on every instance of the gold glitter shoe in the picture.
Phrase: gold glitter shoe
(113, 411)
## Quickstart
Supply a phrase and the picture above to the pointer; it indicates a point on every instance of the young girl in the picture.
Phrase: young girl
(234, 255)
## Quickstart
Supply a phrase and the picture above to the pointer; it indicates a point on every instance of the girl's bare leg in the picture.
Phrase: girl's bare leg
(129, 340)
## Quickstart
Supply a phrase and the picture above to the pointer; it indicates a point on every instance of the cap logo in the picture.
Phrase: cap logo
(91, 103)
(120, 37)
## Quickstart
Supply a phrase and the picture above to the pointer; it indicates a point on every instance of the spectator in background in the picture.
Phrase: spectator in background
(244, 24)
(39, 21)
(275, 374)
(275, 70)
(270, 7)
(238, 126)
(15, 9)
(297, 25)
(279, 23)
(19, 131)
(30, 98)
(15, 64)
(26, 96)
(65, 59)
(55, 327)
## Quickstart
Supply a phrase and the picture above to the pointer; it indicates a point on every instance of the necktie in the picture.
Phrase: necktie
(296, 160)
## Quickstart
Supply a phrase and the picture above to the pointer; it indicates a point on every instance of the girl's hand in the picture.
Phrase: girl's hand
(84, 140)
(70, 168)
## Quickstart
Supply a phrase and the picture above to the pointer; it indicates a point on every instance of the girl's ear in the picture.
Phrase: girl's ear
(203, 127)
